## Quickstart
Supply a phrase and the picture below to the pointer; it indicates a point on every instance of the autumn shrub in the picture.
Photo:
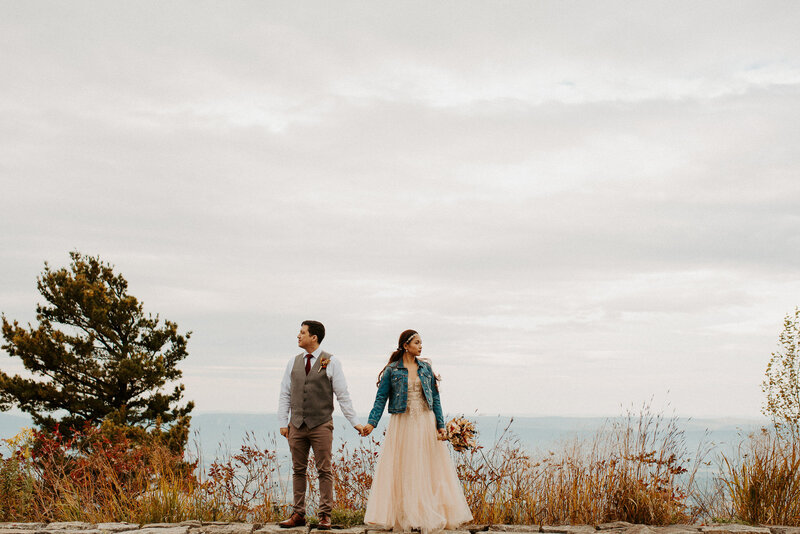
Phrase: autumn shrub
(16, 479)
(248, 485)
(352, 473)
(95, 474)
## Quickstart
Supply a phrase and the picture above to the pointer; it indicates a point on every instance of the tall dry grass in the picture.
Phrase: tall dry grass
(760, 482)
(635, 470)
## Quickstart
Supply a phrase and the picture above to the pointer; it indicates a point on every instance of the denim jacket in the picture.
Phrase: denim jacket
(394, 388)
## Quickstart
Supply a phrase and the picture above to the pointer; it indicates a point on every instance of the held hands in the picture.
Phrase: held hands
(359, 429)
(366, 430)
(285, 432)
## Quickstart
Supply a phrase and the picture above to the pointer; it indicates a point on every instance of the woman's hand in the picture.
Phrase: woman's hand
(367, 430)
(442, 434)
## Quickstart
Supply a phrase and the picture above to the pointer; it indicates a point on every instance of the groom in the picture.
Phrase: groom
(309, 382)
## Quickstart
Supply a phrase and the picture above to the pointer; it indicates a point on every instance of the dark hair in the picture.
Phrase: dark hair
(405, 337)
(315, 328)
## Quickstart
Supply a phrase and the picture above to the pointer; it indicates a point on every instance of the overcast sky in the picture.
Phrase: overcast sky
(579, 205)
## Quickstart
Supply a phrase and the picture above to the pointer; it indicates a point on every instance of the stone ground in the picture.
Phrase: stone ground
(197, 527)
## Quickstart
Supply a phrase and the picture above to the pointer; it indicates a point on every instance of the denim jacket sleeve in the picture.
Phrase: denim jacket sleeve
(381, 397)
(437, 404)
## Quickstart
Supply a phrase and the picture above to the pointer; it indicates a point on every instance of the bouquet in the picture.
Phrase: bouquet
(461, 434)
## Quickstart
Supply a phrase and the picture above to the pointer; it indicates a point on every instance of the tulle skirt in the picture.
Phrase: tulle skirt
(415, 483)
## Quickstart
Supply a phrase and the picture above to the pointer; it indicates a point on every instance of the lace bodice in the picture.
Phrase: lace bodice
(416, 398)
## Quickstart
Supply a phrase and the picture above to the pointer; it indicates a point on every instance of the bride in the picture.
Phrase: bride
(415, 483)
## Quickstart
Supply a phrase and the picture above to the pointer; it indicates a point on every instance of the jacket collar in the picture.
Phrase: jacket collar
(401, 366)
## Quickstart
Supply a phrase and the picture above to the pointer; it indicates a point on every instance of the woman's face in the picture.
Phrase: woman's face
(414, 347)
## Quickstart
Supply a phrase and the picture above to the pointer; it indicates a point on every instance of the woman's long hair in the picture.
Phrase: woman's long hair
(405, 337)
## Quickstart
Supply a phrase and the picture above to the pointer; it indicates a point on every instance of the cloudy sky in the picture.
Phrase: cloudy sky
(579, 205)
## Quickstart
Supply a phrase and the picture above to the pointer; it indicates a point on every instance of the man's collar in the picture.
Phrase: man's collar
(316, 353)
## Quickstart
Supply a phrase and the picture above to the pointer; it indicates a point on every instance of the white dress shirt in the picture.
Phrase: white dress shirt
(335, 375)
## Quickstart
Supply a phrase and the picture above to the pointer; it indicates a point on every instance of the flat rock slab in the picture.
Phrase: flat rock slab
(69, 525)
(334, 530)
(785, 530)
(569, 529)
(117, 527)
(514, 528)
(162, 530)
(273, 528)
(22, 526)
(735, 529)
(678, 529)
(231, 528)
(614, 525)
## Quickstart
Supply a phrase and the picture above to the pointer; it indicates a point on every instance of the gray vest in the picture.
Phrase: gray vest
(311, 396)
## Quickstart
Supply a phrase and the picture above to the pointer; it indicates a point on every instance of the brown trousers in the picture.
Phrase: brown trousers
(319, 438)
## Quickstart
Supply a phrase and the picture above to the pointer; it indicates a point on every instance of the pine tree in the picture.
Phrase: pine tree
(95, 357)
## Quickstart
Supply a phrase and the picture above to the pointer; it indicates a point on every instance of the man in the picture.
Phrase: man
(310, 380)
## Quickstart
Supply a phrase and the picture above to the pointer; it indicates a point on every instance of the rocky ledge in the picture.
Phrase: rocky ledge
(198, 527)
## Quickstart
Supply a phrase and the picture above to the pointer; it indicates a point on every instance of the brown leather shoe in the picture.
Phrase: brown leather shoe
(324, 522)
(296, 520)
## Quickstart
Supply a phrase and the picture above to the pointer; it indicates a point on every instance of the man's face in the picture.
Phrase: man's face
(304, 339)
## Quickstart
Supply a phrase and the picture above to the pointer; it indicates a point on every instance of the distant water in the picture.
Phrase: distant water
(216, 432)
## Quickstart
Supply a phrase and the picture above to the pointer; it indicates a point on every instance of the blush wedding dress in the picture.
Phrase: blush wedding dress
(415, 483)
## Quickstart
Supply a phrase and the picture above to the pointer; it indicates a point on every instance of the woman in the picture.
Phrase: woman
(415, 483)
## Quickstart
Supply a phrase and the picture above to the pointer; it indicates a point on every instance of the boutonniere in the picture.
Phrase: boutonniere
(323, 363)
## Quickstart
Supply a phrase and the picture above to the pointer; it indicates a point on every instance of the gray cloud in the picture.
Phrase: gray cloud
(601, 203)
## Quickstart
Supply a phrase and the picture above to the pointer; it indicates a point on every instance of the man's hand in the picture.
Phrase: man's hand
(285, 432)
(367, 430)
(442, 434)
(359, 429)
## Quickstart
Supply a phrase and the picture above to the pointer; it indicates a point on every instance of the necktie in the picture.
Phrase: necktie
(308, 363)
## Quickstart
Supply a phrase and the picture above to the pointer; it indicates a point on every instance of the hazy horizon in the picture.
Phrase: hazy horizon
(337, 413)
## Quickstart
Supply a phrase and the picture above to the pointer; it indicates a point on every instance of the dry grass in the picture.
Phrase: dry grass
(636, 469)
(761, 482)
